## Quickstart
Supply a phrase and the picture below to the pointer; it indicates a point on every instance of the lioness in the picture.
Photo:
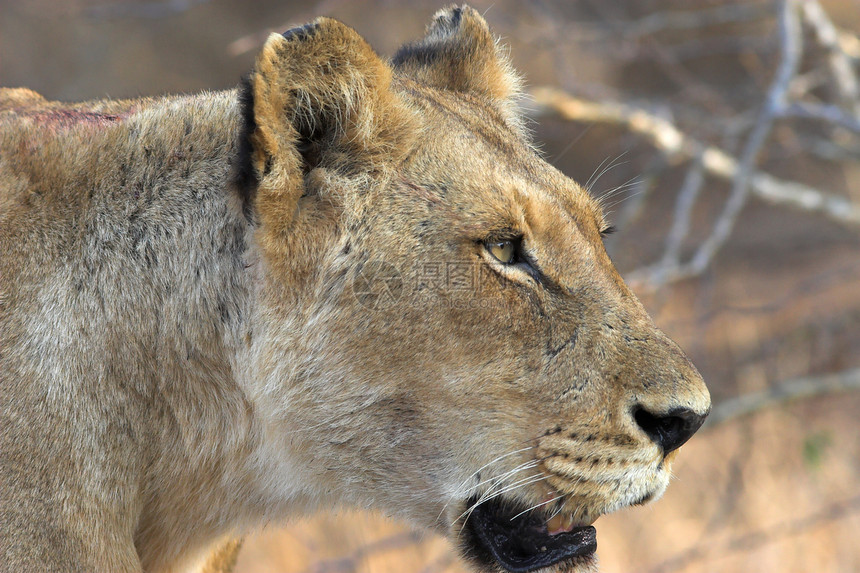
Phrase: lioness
(351, 281)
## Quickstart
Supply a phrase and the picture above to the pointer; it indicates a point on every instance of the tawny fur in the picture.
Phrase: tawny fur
(183, 356)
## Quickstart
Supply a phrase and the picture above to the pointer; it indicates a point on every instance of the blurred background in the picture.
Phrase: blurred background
(724, 138)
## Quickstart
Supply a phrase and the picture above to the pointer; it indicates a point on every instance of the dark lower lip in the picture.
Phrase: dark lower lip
(495, 534)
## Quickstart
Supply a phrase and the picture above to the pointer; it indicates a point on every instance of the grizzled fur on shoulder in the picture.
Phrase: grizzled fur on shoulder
(349, 282)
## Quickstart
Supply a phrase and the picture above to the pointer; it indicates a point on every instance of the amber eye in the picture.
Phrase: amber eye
(504, 251)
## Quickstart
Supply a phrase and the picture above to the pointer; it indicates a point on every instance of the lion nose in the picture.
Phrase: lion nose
(669, 430)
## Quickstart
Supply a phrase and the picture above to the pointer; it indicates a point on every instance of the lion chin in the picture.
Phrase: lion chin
(505, 535)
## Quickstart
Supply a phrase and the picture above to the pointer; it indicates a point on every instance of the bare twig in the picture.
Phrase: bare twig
(804, 197)
(690, 189)
(828, 113)
(668, 138)
(740, 171)
(679, 146)
(686, 81)
(840, 63)
(791, 49)
(789, 391)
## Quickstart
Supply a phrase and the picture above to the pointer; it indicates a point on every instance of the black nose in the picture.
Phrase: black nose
(670, 430)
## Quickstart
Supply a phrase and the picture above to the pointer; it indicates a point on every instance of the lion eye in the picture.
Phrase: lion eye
(504, 251)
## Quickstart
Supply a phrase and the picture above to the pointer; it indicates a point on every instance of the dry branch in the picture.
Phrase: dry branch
(680, 147)
(740, 171)
(791, 49)
(690, 189)
(841, 63)
(827, 113)
(789, 391)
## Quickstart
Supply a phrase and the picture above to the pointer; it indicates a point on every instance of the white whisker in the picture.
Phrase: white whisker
(497, 481)
(464, 487)
(622, 200)
(541, 504)
(592, 181)
(559, 508)
(588, 183)
(524, 466)
(488, 464)
(485, 498)
(630, 183)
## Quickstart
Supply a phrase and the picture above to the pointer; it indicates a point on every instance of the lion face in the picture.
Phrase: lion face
(443, 334)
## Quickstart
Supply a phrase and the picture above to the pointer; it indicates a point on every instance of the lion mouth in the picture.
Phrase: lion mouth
(520, 541)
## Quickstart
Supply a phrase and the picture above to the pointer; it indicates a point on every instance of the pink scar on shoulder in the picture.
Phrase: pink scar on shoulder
(68, 118)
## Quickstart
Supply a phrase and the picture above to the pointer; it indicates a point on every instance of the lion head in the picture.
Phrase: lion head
(439, 331)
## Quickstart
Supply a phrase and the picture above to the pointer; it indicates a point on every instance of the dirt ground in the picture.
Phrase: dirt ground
(777, 490)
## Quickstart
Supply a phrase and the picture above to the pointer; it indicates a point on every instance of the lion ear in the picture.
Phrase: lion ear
(459, 53)
(318, 96)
